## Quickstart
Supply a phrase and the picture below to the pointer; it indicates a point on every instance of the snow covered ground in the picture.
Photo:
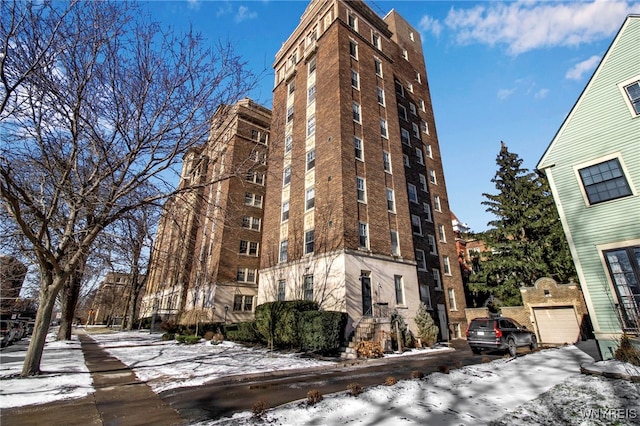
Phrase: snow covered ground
(540, 388)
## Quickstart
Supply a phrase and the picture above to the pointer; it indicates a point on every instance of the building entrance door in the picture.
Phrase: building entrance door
(367, 302)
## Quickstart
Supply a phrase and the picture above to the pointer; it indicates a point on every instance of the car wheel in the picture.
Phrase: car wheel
(534, 342)
(511, 346)
(476, 350)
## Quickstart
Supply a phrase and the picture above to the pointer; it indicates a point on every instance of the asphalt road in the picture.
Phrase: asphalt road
(223, 399)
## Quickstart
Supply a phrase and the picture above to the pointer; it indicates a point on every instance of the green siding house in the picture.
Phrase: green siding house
(593, 167)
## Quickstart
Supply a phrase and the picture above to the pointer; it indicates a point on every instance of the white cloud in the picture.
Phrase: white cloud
(505, 93)
(193, 4)
(428, 24)
(578, 70)
(243, 14)
(541, 94)
(524, 25)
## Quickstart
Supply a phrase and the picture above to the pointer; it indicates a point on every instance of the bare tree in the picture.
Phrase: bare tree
(100, 106)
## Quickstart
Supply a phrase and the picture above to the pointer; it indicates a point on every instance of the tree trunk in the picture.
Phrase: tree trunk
(70, 294)
(48, 293)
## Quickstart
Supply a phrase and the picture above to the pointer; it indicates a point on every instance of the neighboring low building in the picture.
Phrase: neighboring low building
(12, 274)
(111, 303)
(593, 168)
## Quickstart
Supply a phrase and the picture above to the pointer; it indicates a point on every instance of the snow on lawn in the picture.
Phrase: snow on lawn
(472, 395)
(64, 374)
(165, 365)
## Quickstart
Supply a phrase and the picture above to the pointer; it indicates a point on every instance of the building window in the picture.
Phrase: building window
(309, 241)
(380, 96)
(246, 275)
(395, 244)
(355, 79)
(310, 199)
(288, 144)
(308, 287)
(404, 136)
(412, 108)
(282, 285)
(416, 130)
(419, 156)
(353, 49)
(285, 211)
(254, 200)
(423, 182)
(432, 177)
(429, 151)
(248, 303)
(399, 88)
(446, 265)
(251, 222)
(284, 245)
(249, 248)
(242, 303)
(311, 126)
(292, 87)
(417, 76)
(311, 94)
(421, 104)
(425, 294)
(378, 66)
(399, 287)
(356, 112)
(386, 161)
(312, 65)
(441, 234)
(436, 203)
(375, 39)
(286, 176)
(311, 159)
(237, 302)
(357, 145)
(427, 210)
(433, 249)
(410, 86)
(604, 181)
(383, 128)
(290, 114)
(352, 21)
(363, 235)
(255, 177)
(424, 126)
(402, 112)
(405, 54)
(416, 224)
(624, 269)
(405, 160)
(361, 189)
(413, 193)
(391, 204)
(435, 273)
(633, 94)
(452, 299)
(420, 260)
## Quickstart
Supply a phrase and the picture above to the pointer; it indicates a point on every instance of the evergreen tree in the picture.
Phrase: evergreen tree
(427, 329)
(526, 240)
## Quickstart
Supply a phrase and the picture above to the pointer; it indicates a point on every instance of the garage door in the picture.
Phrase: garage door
(557, 325)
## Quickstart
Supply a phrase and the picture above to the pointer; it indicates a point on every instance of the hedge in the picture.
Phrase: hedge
(277, 322)
(321, 331)
(243, 332)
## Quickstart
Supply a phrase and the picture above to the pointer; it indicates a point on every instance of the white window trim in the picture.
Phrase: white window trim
(424, 258)
(601, 248)
(623, 92)
(612, 156)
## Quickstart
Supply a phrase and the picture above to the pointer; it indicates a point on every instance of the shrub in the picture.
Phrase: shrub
(427, 329)
(416, 374)
(243, 332)
(313, 397)
(208, 335)
(192, 340)
(180, 338)
(259, 408)
(169, 326)
(369, 349)
(168, 336)
(277, 322)
(405, 337)
(354, 389)
(321, 330)
(626, 352)
(390, 381)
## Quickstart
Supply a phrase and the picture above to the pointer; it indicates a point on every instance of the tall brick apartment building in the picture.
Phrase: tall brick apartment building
(356, 210)
(205, 257)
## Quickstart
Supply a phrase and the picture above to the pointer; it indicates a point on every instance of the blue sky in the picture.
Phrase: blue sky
(498, 71)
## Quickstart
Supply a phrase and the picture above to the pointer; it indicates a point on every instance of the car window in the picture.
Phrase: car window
(479, 323)
(506, 324)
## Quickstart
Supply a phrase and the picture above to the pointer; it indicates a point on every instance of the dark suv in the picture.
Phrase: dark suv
(499, 334)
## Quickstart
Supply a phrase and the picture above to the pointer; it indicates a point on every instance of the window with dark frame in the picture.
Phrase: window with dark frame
(308, 287)
(624, 270)
(633, 92)
(604, 181)
(309, 241)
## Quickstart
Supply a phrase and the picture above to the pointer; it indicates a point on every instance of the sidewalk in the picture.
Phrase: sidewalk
(119, 399)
